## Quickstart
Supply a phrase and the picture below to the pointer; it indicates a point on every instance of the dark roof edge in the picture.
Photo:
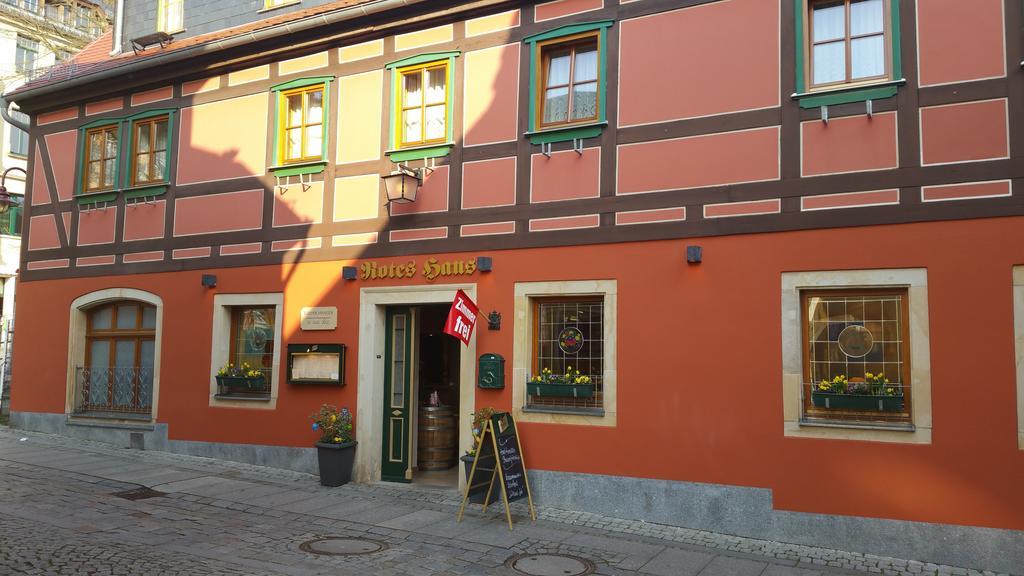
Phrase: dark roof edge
(327, 18)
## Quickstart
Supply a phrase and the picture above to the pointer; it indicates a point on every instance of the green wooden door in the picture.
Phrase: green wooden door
(397, 396)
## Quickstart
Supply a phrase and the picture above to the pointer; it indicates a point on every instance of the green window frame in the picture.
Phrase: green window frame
(125, 128)
(396, 152)
(282, 167)
(843, 94)
(569, 34)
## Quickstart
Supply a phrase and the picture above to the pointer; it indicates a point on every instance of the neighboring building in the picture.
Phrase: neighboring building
(34, 36)
(708, 208)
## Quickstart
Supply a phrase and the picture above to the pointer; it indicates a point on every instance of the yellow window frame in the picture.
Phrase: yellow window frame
(283, 124)
(569, 42)
(400, 107)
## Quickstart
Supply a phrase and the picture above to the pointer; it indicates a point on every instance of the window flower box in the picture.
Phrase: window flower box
(833, 400)
(242, 383)
(873, 392)
(244, 378)
(572, 384)
(561, 390)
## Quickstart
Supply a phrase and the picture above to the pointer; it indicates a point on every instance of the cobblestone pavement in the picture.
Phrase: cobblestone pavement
(60, 514)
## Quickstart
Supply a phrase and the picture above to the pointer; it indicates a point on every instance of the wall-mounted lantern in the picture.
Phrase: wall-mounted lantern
(6, 199)
(402, 184)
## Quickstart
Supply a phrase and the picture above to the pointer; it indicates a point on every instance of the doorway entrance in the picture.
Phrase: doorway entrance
(421, 397)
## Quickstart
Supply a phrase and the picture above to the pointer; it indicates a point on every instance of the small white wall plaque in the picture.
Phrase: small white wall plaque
(322, 318)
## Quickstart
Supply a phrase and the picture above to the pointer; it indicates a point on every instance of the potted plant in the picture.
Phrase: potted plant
(572, 384)
(873, 392)
(336, 450)
(480, 418)
(244, 378)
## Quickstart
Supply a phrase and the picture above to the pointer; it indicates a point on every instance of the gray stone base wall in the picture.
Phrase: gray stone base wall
(154, 437)
(724, 509)
(749, 512)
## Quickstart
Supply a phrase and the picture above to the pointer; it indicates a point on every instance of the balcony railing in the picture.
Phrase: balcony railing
(127, 390)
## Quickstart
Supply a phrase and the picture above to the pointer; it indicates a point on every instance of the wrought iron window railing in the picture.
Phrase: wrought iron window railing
(120, 389)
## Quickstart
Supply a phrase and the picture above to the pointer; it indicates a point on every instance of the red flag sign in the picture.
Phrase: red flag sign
(461, 318)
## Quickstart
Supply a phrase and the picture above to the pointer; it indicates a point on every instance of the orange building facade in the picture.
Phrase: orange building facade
(778, 247)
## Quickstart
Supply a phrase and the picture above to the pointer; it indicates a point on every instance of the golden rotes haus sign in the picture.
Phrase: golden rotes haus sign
(431, 269)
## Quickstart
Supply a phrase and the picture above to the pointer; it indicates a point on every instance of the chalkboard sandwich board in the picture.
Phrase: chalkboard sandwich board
(499, 452)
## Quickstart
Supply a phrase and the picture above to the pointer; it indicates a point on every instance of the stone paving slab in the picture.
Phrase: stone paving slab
(228, 518)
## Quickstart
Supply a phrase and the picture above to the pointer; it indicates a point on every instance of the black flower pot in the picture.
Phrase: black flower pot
(335, 462)
(478, 497)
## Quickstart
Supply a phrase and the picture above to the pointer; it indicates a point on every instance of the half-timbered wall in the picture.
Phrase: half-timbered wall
(704, 138)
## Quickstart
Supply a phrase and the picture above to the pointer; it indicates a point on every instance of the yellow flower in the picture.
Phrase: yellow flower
(337, 439)
(333, 417)
(869, 376)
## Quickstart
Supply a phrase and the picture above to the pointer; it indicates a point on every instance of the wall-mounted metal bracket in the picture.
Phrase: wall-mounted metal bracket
(101, 205)
(870, 108)
(149, 200)
(824, 114)
(577, 146)
(281, 189)
(545, 149)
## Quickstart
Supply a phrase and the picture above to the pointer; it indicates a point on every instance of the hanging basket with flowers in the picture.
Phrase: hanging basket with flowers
(572, 384)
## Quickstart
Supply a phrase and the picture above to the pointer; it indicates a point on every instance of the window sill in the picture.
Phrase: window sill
(565, 410)
(277, 7)
(97, 197)
(247, 398)
(157, 189)
(566, 133)
(298, 169)
(847, 94)
(420, 152)
(17, 156)
(822, 423)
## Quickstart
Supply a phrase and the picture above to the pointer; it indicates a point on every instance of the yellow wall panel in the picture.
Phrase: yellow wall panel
(356, 197)
(310, 62)
(426, 37)
(359, 116)
(249, 75)
(361, 51)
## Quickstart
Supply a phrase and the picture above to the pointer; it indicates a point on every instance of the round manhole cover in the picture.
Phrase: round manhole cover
(342, 546)
(550, 565)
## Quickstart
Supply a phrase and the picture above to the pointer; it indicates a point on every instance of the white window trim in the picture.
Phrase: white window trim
(76, 336)
(915, 280)
(1018, 346)
(221, 346)
(522, 350)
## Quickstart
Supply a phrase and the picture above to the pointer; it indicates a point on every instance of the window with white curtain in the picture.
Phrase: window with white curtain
(170, 15)
(569, 81)
(848, 41)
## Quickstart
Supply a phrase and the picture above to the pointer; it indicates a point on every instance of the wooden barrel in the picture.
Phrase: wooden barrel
(438, 431)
